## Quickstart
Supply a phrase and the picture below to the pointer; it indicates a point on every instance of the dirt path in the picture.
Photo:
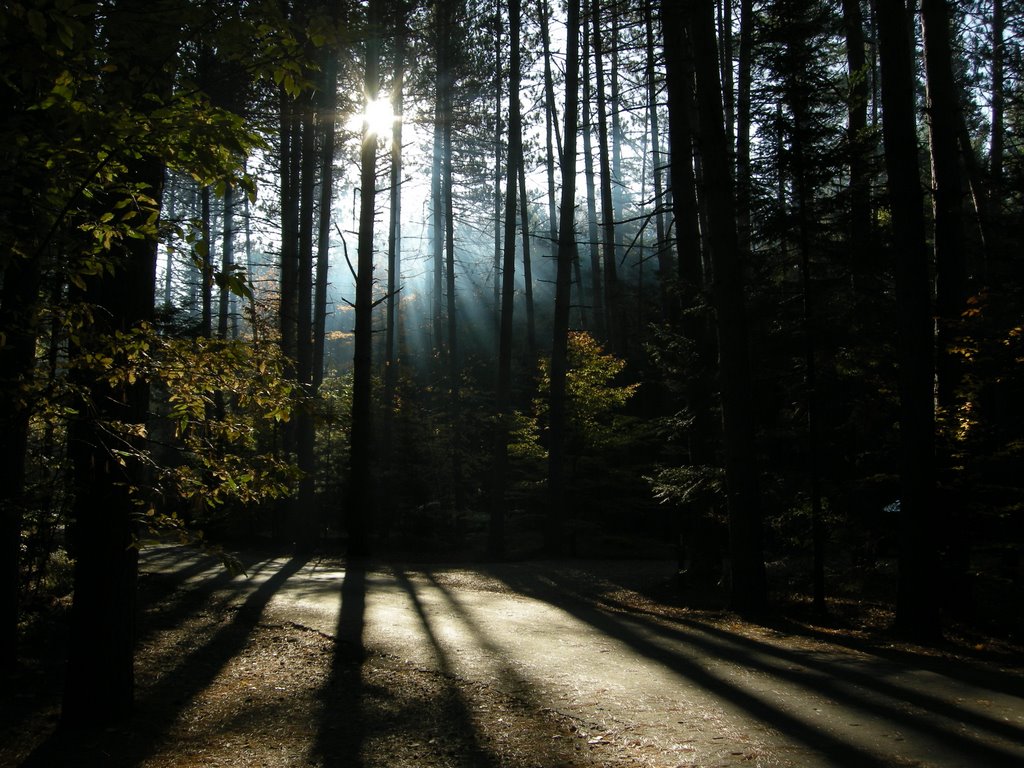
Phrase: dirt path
(571, 656)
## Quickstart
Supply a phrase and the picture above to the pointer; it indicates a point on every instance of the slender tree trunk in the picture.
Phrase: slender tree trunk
(743, 82)
(392, 342)
(917, 601)
(615, 179)
(327, 120)
(227, 263)
(550, 120)
(593, 239)
(496, 532)
(947, 195)
(951, 284)
(99, 677)
(360, 505)
(19, 314)
(437, 210)
(498, 228)
(997, 140)
(667, 275)
(856, 130)
(608, 240)
(454, 362)
(748, 592)
(555, 532)
(206, 323)
(287, 311)
(697, 550)
(524, 219)
(172, 214)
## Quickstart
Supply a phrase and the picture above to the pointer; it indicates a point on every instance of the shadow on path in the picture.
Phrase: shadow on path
(452, 700)
(343, 725)
(156, 711)
(818, 676)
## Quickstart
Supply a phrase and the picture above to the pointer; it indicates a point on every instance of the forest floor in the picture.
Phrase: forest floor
(315, 662)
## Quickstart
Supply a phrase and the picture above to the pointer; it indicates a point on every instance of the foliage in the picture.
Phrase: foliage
(592, 399)
(207, 449)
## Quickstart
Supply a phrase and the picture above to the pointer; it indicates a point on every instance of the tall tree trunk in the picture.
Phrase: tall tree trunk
(697, 550)
(287, 311)
(454, 363)
(19, 315)
(997, 137)
(206, 256)
(593, 238)
(615, 179)
(227, 263)
(951, 287)
(499, 479)
(437, 211)
(917, 601)
(857, 131)
(99, 678)
(669, 306)
(947, 195)
(392, 342)
(360, 502)
(524, 224)
(555, 531)
(327, 120)
(748, 591)
(172, 215)
(608, 239)
(550, 120)
(744, 70)
(498, 227)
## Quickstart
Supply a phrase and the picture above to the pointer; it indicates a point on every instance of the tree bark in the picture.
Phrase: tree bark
(917, 602)
(99, 678)
(360, 501)
(600, 326)
(748, 588)
(608, 239)
(555, 532)
(499, 480)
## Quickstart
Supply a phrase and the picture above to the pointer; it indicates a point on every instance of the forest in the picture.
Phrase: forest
(734, 284)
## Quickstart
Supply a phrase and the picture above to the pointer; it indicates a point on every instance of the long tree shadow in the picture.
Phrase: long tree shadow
(872, 675)
(343, 726)
(163, 701)
(452, 700)
(516, 683)
(827, 679)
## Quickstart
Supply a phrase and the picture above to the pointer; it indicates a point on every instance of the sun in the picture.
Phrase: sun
(378, 117)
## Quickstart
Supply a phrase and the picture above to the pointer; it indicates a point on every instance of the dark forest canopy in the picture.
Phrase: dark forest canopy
(737, 283)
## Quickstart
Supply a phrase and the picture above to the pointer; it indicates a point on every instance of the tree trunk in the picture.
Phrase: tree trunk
(360, 502)
(524, 221)
(856, 131)
(951, 290)
(328, 108)
(499, 480)
(666, 274)
(596, 290)
(99, 678)
(550, 120)
(748, 589)
(555, 532)
(392, 342)
(917, 601)
(19, 315)
(743, 83)
(608, 239)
